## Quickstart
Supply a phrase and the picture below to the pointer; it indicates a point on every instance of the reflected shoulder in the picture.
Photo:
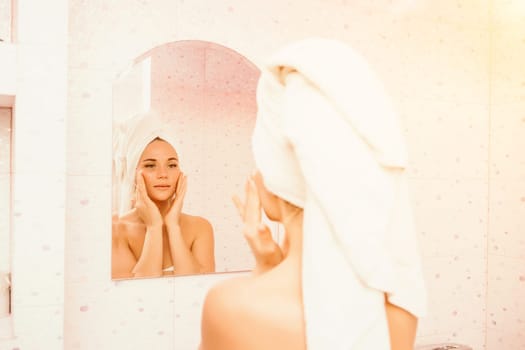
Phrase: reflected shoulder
(130, 217)
(197, 222)
(126, 224)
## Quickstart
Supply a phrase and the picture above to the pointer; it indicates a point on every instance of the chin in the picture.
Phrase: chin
(161, 198)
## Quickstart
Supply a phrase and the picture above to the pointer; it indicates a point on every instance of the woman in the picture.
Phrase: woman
(331, 170)
(153, 237)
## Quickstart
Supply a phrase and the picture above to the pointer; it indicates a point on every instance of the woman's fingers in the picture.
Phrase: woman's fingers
(266, 251)
(246, 208)
(258, 235)
(141, 186)
(142, 193)
(264, 232)
(176, 202)
(239, 205)
(252, 206)
(180, 192)
(181, 185)
(146, 209)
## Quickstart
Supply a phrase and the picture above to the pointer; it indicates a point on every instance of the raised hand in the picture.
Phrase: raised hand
(172, 216)
(146, 208)
(259, 237)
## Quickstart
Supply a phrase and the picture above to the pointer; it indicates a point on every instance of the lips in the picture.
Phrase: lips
(162, 187)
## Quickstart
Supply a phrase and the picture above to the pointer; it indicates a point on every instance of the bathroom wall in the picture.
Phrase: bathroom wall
(506, 240)
(434, 59)
(453, 69)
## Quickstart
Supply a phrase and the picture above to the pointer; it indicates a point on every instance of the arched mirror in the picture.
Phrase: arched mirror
(197, 100)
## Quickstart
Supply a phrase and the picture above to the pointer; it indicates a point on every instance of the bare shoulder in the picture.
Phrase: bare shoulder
(251, 313)
(127, 224)
(225, 305)
(196, 221)
(196, 226)
(118, 227)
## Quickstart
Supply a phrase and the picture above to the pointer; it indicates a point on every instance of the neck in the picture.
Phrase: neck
(163, 206)
(293, 236)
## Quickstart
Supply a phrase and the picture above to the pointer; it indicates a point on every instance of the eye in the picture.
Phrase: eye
(174, 165)
(149, 165)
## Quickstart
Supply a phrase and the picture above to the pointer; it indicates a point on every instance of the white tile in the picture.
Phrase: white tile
(445, 139)
(508, 13)
(41, 283)
(88, 233)
(89, 133)
(8, 71)
(506, 288)
(89, 142)
(36, 327)
(433, 61)
(507, 218)
(133, 314)
(450, 216)
(42, 23)
(140, 27)
(456, 287)
(38, 240)
(508, 53)
(501, 339)
(507, 140)
(39, 131)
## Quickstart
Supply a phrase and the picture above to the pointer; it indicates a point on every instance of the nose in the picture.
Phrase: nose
(162, 172)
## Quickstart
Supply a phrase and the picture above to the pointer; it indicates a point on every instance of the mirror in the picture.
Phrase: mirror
(198, 99)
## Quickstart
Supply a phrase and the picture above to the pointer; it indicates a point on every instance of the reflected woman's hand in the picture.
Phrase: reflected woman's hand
(146, 208)
(266, 251)
(174, 212)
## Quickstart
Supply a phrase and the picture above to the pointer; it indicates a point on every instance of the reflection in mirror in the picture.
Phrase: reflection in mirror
(151, 233)
(182, 120)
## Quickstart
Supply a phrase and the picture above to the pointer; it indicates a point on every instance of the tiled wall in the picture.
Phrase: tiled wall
(443, 91)
(454, 71)
(434, 60)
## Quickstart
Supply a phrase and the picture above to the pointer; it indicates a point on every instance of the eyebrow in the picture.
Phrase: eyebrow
(154, 160)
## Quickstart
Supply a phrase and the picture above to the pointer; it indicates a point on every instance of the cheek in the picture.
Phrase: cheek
(175, 175)
(147, 178)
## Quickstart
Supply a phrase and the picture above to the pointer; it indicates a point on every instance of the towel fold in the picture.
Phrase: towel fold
(129, 141)
(327, 139)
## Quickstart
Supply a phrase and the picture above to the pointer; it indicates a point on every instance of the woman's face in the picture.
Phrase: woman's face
(159, 164)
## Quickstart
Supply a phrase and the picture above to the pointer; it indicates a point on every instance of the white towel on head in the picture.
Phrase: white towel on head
(129, 141)
(327, 139)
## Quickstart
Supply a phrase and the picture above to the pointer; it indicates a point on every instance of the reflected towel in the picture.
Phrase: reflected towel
(129, 141)
(327, 139)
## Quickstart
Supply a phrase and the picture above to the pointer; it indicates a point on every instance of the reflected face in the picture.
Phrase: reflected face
(159, 164)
